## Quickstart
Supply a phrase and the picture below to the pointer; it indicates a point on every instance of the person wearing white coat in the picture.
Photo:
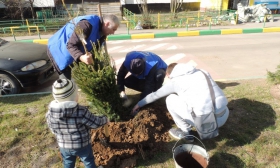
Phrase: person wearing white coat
(187, 91)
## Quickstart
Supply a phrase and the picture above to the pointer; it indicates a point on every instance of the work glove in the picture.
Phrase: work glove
(123, 95)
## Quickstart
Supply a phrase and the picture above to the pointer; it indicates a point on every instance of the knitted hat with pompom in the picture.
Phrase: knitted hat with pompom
(64, 90)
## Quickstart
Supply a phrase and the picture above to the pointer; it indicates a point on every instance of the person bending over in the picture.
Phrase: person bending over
(147, 73)
(187, 91)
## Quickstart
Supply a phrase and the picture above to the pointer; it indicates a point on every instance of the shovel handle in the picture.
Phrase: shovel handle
(106, 131)
(100, 15)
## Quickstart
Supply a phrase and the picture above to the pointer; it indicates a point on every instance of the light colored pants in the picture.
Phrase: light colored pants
(182, 117)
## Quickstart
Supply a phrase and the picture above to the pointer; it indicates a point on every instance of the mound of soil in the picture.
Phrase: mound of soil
(140, 136)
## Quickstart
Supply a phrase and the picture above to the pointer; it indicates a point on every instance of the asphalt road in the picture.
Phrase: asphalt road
(226, 57)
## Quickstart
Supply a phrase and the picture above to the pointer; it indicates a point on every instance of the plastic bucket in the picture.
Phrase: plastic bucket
(190, 155)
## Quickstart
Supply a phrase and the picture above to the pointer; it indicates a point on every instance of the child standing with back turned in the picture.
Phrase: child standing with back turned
(71, 123)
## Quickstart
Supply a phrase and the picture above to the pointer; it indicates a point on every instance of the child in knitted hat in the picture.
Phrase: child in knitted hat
(71, 123)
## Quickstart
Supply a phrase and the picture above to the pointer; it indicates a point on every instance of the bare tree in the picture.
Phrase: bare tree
(175, 5)
(15, 8)
(143, 7)
(32, 8)
(20, 5)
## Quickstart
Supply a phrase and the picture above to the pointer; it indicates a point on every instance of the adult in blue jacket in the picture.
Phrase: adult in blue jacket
(66, 45)
(147, 73)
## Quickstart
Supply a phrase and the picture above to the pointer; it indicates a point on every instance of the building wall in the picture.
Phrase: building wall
(210, 4)
(225, 4)
(2, 4)
(191, 6)
(163, 8)
(124, 2)
(90, 1)
(152, 8)
(45, 3)
(188, 5)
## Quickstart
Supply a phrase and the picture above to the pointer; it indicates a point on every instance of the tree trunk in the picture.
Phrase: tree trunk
(175, 5)
(32, 8)
(20, 9)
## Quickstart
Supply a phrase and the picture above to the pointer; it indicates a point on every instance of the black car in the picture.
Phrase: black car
(23, 65)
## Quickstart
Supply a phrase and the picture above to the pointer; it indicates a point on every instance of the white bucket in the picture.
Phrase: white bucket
(190, 155)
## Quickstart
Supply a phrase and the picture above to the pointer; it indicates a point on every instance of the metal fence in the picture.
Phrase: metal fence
(182, 19)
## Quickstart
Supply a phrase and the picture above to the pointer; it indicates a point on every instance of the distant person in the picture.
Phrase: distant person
(147, 73)
(71, 123)
(66, 46)
(187, 91)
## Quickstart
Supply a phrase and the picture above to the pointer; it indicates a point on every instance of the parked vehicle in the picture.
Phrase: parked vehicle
(23, 65)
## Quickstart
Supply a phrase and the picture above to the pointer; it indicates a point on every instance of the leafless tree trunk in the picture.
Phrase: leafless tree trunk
(175, 5)
(20, 5)
(32, 8)
(143, 7)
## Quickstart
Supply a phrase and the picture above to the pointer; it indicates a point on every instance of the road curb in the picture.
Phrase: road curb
(217, 80)
(252, 30)
(25, 94)
(177, 34)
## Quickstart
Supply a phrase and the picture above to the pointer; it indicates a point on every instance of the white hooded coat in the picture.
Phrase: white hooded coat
(190, 86)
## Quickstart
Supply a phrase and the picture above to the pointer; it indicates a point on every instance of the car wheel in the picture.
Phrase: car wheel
(8, 85)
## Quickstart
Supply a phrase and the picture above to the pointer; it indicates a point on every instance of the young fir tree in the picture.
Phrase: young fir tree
(98, 82)
(274, 77)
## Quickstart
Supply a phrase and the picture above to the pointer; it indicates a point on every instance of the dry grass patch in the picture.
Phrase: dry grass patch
(250, 138)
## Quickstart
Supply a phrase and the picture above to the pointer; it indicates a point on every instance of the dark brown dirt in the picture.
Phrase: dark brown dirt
(141, 136)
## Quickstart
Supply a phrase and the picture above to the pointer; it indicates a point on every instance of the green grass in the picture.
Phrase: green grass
(249, 139)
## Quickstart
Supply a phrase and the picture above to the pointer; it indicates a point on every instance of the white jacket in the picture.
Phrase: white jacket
(191, 85)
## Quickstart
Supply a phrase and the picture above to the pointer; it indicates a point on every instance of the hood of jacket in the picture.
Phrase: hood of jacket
(62, 109)
(191, 85)
(182, 69)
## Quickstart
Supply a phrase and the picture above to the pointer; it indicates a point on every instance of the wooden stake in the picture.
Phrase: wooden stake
(106, 131)
(100, 15)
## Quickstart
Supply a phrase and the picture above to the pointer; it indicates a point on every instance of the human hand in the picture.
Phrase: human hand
(86, 58)
(135, 110)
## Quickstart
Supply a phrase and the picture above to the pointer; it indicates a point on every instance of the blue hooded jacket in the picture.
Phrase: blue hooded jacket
(57, 44)
(150, 58)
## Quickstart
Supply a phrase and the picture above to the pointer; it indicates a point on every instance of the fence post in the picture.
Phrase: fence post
(13, 33)
(127, 26)
(38, 32)
(158, 20)
(181, 20)
(187, 24)
(210, 21)
(134, 17)
(198, 19)
(27, 24)
(264, 20)
(236, 18)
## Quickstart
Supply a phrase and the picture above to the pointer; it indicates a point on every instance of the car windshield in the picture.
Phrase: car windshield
(2, 41)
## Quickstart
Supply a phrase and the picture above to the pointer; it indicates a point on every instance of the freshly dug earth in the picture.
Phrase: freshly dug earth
(140, 136)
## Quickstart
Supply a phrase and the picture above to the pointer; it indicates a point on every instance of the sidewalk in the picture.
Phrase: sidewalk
(123, 33)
